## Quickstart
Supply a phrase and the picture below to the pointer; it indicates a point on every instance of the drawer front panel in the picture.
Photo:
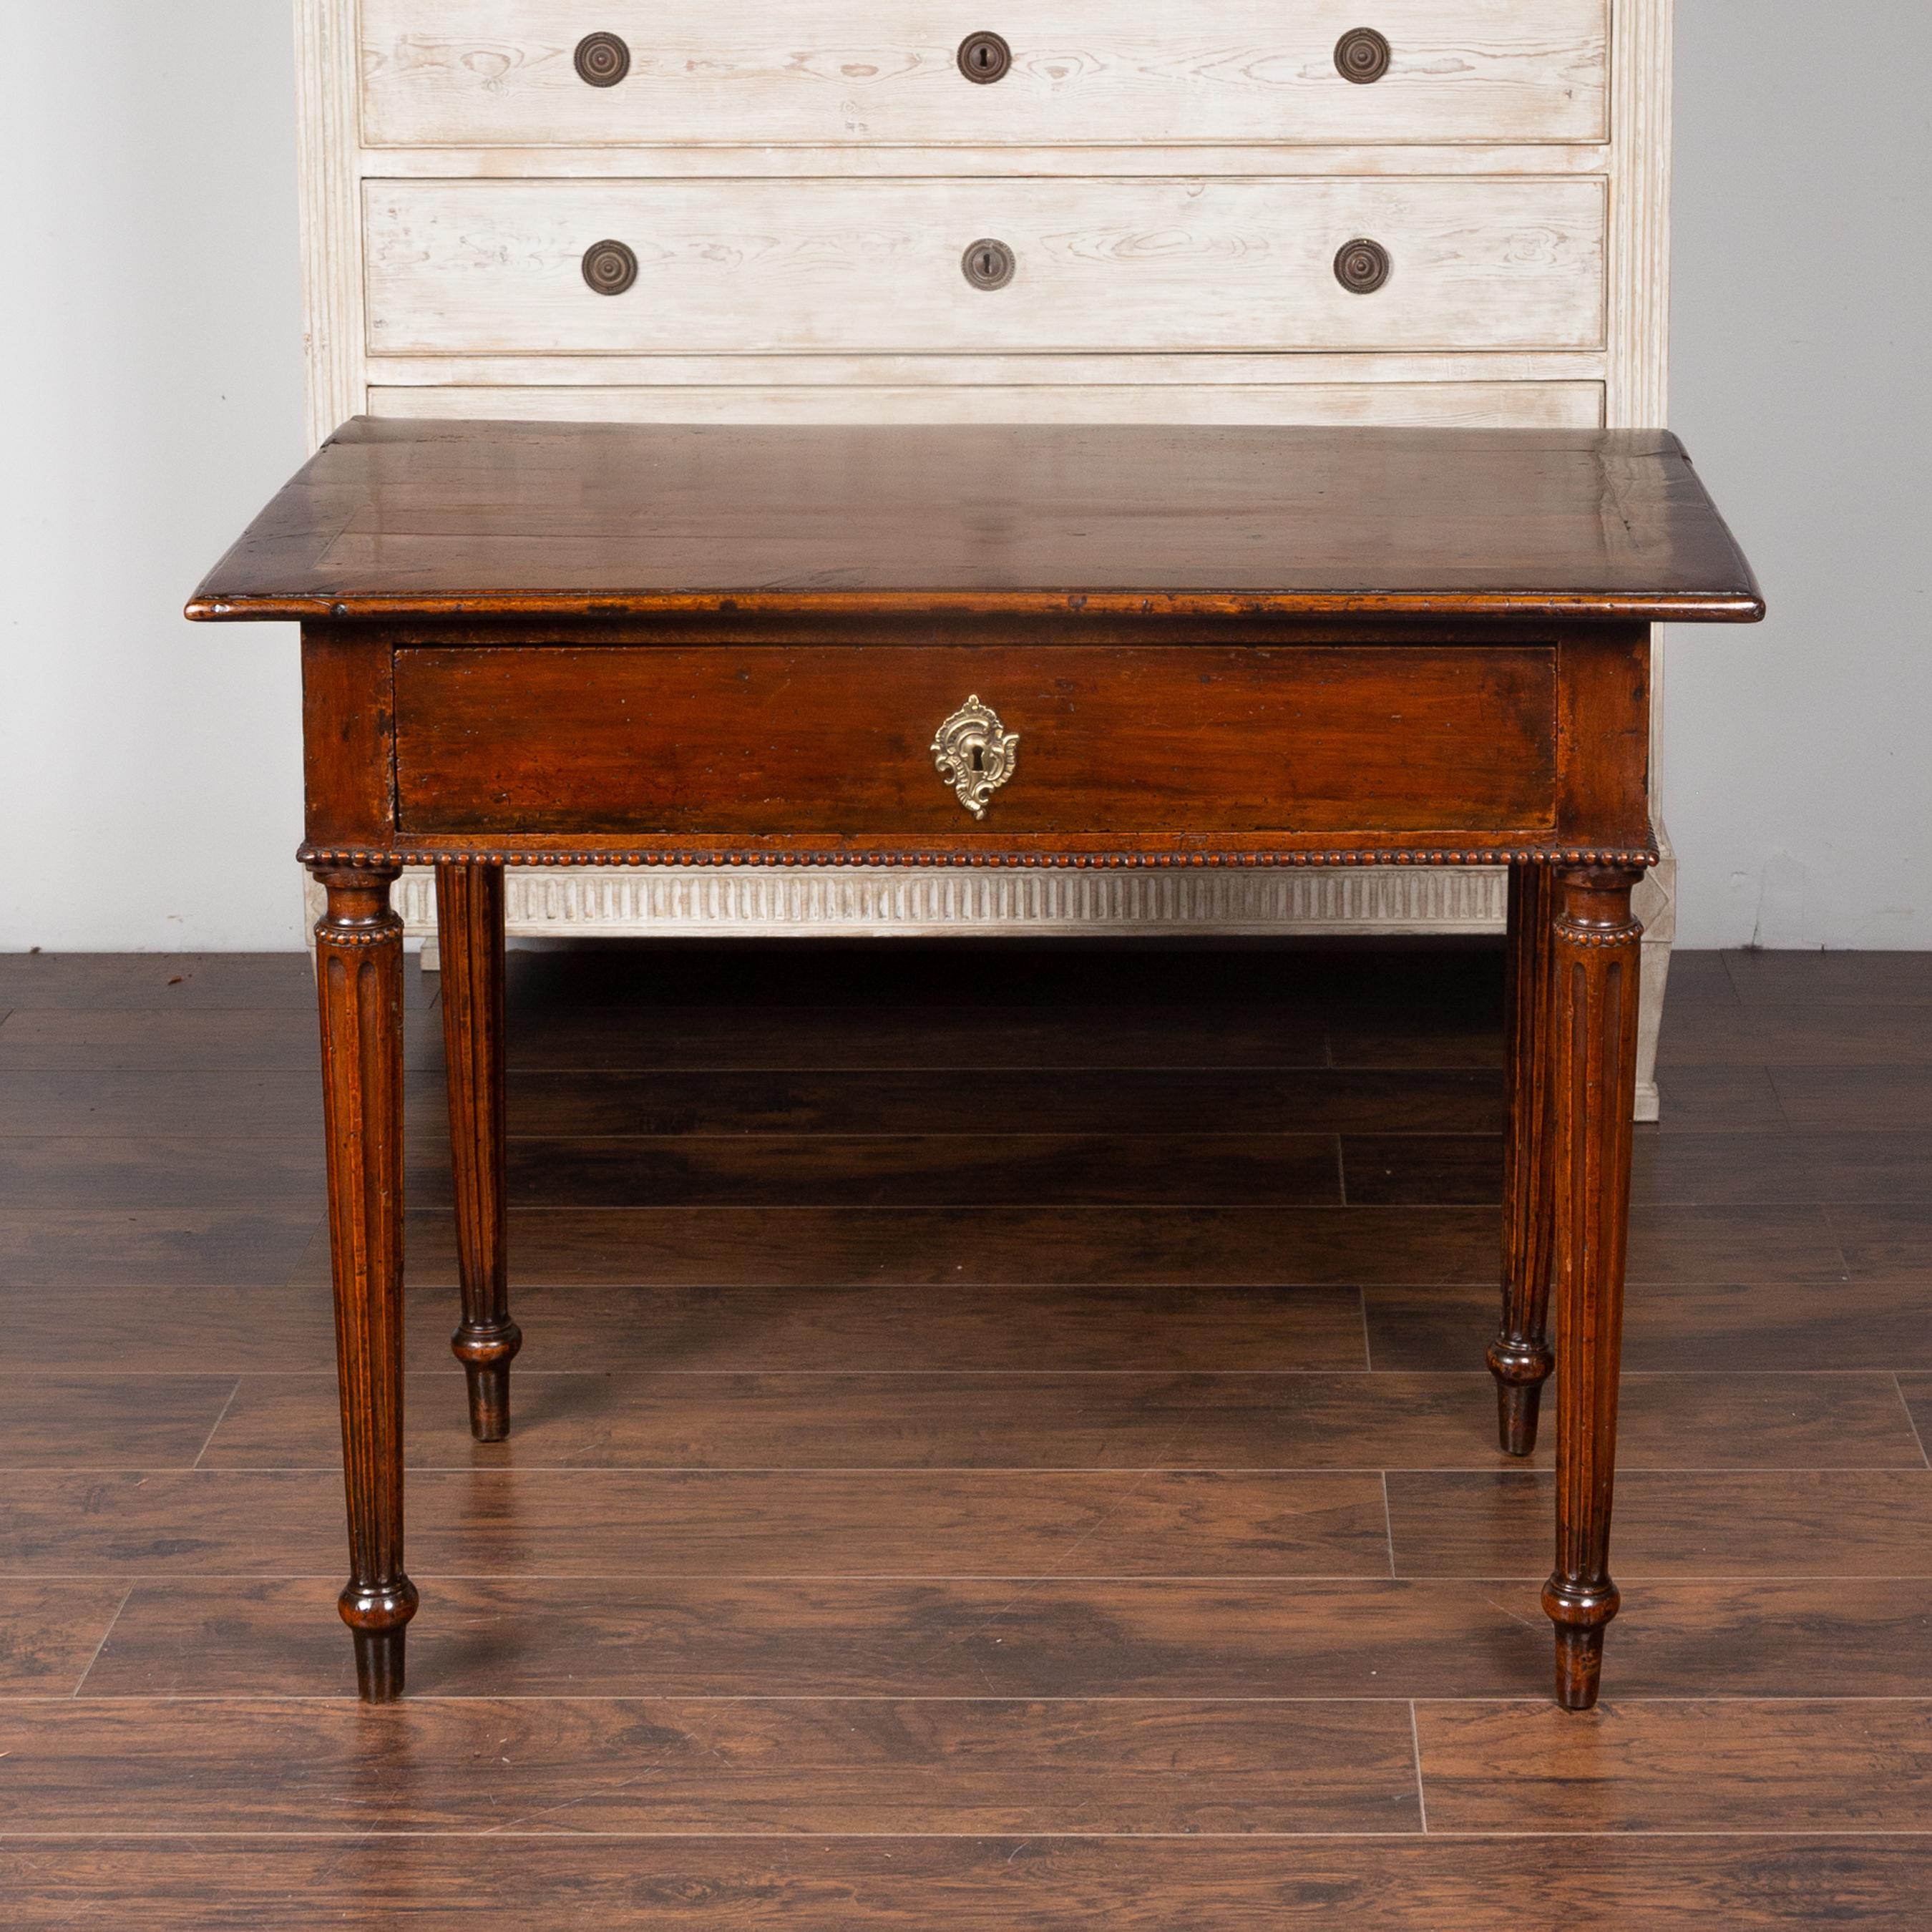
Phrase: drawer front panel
(836, 73)
(1388, 405)
(729, 741)
(742, 267)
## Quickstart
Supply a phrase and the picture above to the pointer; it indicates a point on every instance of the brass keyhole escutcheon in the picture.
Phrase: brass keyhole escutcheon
(984, 58)
(988, 264)
(975, 755)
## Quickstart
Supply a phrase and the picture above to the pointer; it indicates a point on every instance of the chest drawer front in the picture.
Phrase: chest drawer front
(836, 73)
(736, 267)
(727, 741)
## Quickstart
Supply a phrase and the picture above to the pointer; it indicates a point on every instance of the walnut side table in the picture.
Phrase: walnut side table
(528, 644)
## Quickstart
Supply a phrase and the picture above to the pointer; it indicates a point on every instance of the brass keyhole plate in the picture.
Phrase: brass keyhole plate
(988, 264)
(984, 58)
(975, 755)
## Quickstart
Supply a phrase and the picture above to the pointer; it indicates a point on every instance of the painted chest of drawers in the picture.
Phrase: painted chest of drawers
(1380, 212)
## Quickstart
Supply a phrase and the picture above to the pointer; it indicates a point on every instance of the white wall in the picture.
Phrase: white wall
(150, 320)
(1797, 785)
(150, 336)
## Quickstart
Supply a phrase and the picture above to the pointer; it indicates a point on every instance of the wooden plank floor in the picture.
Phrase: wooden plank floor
(1001, 1443)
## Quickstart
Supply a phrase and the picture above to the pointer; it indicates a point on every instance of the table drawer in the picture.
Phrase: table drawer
(766, 73)
(828, 739)
(491, 267)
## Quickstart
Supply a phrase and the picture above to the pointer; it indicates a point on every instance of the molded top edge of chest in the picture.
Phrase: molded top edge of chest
(885, 73)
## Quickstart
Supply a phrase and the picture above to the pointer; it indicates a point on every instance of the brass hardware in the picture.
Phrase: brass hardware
(602, 60)
(988, 265)
(610, 268)
(1362, 56)
(974, 755)
(1362, 266)
(984, 58)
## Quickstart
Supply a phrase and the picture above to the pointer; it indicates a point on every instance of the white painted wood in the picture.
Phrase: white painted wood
(331, 211)
(912, 164)
(1638, 398)
(482, 73)
(956, 371)
(1491, 110)
(846, 266)
(1468, 405)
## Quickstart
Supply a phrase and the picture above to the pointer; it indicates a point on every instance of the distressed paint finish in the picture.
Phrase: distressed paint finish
(500, 72)
(811, 267)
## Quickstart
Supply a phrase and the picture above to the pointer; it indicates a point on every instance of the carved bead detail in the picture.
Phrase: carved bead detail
(1574, 934)
(602, 60)
(610, 268)
(1362, 56)
(382, 931)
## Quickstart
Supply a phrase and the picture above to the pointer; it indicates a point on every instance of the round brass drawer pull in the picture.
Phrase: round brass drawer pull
(1362, 56)
(609, 267)
(984, 58)
(1362, 266)
(602, 60)
(988, 265)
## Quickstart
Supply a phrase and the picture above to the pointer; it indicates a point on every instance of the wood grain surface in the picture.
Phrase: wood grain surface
(396, 517)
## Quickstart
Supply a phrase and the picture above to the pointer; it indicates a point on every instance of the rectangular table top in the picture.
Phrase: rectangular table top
(399, 518)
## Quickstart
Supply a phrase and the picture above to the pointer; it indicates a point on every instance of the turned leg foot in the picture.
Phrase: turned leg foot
(1520, 1358)
(469, 925)
(1595, 949)
(486, 1350)
(379, 1622)
(1519, 1405)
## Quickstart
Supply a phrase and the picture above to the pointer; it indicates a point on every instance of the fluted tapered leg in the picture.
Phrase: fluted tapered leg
(469, 922)
(1520, 1358)
(359, 988)
(1595, 962)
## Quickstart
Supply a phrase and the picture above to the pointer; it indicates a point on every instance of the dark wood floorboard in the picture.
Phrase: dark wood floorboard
(1864, 1523)
(1160, 1637)
(1688, 1765)
(936, 1170)
(200, 1327)
(1002, 1441)
(1060, 1100)
(51, 1248)
(1717, 1100)
(1865, 1322)
(997, 1247)
(1792, 1033)
(547, 1880)
(122, 1040)
(1045, 1420)
(668, 1766)
(142, 1171)
(589, 1523)
(1891, 1099)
